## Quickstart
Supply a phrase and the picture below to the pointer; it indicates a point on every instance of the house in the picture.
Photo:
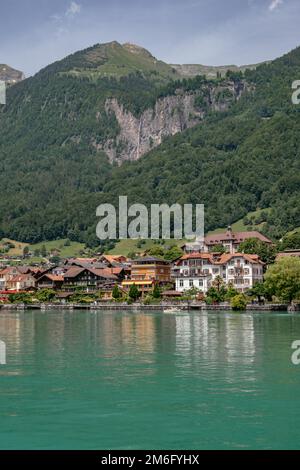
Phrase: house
(6, 275)
(151, 269)
(146, 272)
(229, 240)
(200, 270)
(21, 282)
(50, 281)
(88, 278)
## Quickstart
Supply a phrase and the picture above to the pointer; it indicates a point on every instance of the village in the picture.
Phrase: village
(211, 271)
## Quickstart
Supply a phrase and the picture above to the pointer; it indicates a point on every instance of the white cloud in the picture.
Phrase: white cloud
(275, 4)
(73, 9)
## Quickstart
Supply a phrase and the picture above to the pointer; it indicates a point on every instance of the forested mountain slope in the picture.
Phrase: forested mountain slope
(62, 143)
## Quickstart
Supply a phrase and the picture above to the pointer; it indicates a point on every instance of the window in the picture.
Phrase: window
(191, 283)
(181, 283)
(200, 283)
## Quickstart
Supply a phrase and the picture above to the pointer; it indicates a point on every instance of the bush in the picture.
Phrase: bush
(238, 302)
(134, 292)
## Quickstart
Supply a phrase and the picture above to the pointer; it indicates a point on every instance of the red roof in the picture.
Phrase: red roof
(221, 259)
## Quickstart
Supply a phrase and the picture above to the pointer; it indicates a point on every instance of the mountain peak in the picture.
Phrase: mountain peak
(135, 49)
(113, 59)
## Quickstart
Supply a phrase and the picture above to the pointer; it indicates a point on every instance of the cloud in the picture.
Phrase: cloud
(275, 4)
(74, 9)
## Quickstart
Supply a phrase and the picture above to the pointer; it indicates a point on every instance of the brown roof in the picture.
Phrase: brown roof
(53, 277)
(22, 277)
(236, 237)
(172, 293)
(288, 253)
(74, 271)
(106, 273)
(116, 270)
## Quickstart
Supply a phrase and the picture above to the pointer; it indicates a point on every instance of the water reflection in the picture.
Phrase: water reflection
(188, 341)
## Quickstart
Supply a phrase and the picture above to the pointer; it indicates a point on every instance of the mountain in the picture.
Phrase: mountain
(113, 120)
(9, 75)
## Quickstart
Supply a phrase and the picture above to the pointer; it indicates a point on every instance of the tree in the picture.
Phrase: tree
(25, 251)
(290, 242)
(173, 253)
(116, 293)
(259, 290)
(45, 295)
(214, 295)
(55, 260)
(22, 298)
(239, 302)
(157, 251)
(283, 279)
(134, 292)
(218, 249)
(265, 251)
(231, 292)
(156, 293)
(43, 251)
(218, 283)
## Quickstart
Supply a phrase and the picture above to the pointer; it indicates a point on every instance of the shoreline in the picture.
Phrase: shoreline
(135, 307)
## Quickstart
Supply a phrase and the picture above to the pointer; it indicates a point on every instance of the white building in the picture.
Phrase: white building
(200, 270)
(229, 240)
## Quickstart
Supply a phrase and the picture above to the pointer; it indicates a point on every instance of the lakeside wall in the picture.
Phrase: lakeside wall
(184, 306)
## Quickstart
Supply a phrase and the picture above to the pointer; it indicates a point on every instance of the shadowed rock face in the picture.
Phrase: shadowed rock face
(170, 115)
(9, 75)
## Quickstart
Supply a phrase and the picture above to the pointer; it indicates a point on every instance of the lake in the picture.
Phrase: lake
(112, 380)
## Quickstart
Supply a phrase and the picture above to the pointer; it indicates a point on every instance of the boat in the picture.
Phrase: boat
(172, 310)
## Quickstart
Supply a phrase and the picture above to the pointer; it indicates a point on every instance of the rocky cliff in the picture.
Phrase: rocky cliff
(10, 75)
(170, 115)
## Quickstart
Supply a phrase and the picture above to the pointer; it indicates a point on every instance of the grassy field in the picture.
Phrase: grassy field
(239, 226)
(124, 247)
(71, 251)
(18, 248)
(75, 248)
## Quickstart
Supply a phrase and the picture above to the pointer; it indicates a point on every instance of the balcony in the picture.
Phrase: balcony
(191, 273)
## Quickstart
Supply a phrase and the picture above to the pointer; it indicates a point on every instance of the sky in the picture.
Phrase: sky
(34, 33)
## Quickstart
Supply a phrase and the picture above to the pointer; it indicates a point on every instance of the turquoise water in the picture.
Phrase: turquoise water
(88, 380)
